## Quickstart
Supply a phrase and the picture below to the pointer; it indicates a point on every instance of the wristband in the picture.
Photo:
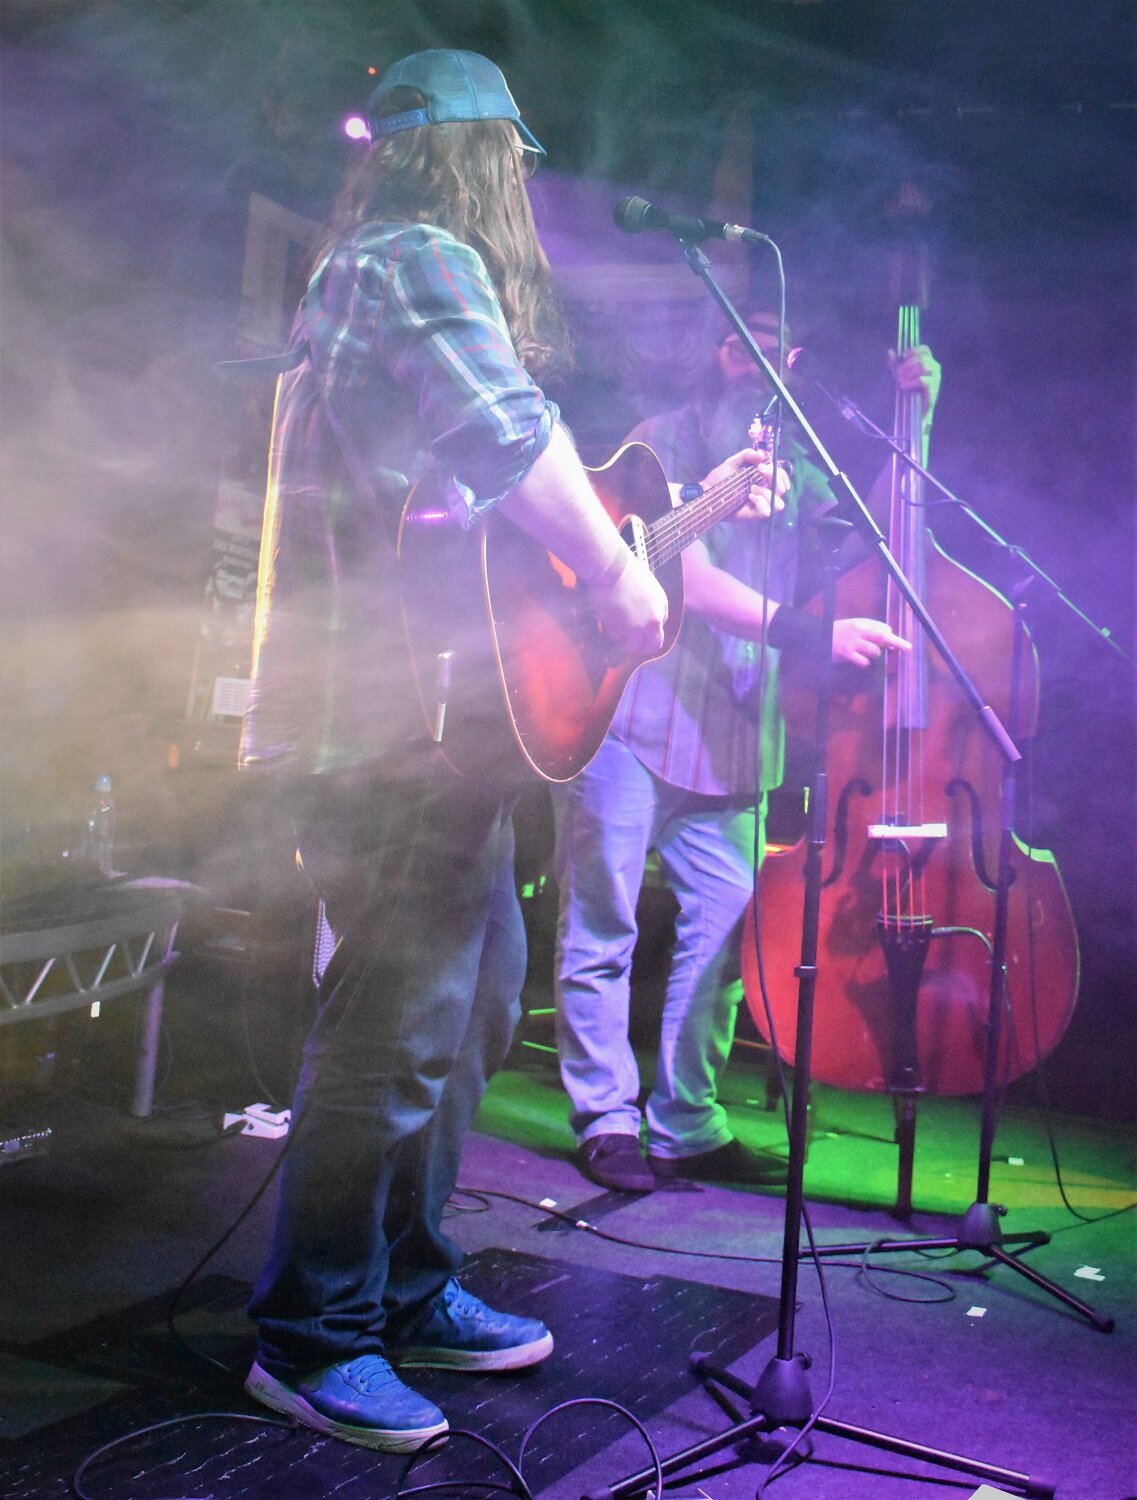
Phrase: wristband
(794, 630)
(608, 575)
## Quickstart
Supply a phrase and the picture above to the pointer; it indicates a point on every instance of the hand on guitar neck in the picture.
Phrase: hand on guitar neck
(765, 499)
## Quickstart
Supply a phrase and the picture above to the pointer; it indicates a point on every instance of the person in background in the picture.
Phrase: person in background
(696, 744)
(426, 324)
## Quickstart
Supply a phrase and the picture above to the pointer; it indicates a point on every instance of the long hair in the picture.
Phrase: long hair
(467, 178)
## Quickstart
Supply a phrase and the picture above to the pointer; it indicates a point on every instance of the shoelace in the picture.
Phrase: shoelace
(369, 1374)
(464, 1304)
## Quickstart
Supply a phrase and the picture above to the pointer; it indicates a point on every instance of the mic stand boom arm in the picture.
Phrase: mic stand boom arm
(852, 412)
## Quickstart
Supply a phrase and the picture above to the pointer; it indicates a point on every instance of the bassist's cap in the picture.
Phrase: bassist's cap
(456, 86)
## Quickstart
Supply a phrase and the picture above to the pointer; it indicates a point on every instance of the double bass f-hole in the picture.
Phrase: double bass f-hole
(856, 788)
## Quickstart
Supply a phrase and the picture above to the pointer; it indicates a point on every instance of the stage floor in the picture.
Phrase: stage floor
(949, 1352)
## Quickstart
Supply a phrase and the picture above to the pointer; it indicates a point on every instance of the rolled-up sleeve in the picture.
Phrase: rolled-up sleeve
(439, 330)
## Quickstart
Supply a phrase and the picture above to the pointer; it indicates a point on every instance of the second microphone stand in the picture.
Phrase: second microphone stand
(780, 1401)
(979, 1229)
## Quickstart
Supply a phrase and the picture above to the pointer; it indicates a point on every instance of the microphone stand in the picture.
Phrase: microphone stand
(852, 413)
(979, 1229)
(780, 1400)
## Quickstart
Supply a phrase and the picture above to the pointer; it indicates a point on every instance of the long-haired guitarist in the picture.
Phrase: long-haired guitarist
(426, 323)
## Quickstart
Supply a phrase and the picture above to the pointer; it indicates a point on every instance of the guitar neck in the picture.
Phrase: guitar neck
(668, 536)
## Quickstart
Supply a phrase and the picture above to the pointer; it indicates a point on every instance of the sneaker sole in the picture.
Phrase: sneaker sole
(426, 1357)
(266, 1389)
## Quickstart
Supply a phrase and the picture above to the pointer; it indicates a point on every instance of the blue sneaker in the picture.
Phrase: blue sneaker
(361, 1401)
(459, 1332)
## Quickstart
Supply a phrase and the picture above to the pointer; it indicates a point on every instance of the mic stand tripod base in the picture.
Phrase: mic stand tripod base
(784, 1380)
(979, 1231)
(780, 1402)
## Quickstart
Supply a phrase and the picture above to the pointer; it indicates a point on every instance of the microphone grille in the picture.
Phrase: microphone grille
(631, 214)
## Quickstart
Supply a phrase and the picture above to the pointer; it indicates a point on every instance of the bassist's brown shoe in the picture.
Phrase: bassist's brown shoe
(733, 1162)
(615, 1161)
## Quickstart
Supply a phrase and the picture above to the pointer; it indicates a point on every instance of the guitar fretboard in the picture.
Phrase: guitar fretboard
(668, 536)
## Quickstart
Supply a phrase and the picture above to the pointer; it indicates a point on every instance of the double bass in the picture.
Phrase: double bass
(908, 895)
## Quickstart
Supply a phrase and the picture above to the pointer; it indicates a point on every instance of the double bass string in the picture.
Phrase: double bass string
(895, 694)
(905, 697)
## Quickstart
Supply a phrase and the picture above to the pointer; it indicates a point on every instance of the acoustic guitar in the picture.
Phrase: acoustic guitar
(515, 678)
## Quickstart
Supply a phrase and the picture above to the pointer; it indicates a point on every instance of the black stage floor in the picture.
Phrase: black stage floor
(621, 1340)
(953, 1352)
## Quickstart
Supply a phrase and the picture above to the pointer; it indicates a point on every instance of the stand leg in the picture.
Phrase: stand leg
(905, 1108)
(147, 1066)
(1101, 1323)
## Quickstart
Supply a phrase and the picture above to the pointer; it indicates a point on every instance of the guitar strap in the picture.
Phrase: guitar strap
(267, 364)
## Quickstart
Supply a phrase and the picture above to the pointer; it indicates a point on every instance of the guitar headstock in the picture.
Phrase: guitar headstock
(761, 434)
(763, 437)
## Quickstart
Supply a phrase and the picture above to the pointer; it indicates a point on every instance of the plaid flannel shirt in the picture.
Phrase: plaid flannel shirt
(409, 363)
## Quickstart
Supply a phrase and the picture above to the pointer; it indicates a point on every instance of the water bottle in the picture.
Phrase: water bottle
(100, 825)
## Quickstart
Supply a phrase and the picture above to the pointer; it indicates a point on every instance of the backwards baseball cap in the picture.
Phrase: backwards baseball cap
(456, 86)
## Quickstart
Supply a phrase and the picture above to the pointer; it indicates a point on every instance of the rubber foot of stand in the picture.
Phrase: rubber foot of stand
(769, 1445)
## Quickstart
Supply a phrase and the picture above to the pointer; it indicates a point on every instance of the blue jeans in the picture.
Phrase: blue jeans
(418, 1006)
(607, 820)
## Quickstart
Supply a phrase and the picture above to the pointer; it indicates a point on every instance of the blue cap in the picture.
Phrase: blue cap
(456, 86)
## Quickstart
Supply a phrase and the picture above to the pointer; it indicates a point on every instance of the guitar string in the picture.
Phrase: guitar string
(672, 532)
(693, 519)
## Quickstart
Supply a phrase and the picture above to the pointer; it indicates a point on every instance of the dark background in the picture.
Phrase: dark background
(133, 133)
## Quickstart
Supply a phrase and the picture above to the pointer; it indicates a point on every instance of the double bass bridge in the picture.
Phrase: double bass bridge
(904, 832)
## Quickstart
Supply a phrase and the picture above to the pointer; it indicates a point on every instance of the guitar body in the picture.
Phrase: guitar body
(514, 676)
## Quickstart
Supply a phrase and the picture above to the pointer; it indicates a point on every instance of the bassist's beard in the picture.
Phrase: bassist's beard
(729, 419)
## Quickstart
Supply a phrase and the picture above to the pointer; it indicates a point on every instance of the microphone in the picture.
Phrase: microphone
(634, 215)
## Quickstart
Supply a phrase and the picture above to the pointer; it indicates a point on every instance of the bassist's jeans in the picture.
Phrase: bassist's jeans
(607, 820)
(417, 1008)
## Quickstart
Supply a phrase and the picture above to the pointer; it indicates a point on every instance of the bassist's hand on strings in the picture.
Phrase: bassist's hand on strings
(860, 642)
(918, 370)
